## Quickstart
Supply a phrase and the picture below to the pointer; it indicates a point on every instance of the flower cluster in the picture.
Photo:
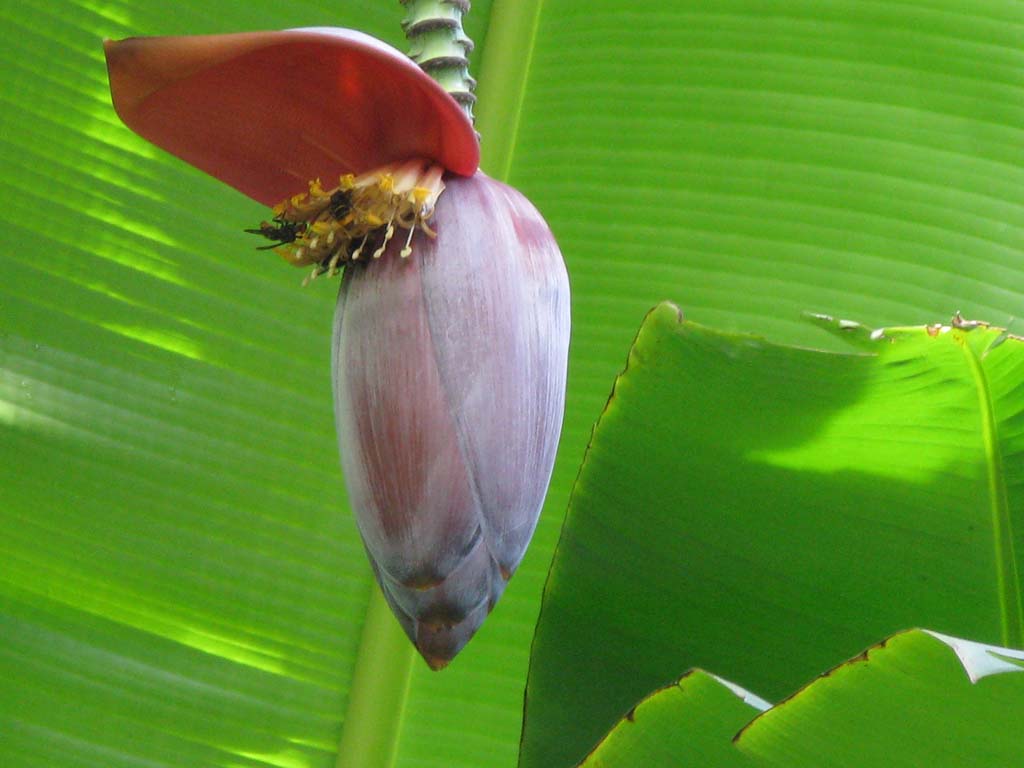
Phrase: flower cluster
(356, 219)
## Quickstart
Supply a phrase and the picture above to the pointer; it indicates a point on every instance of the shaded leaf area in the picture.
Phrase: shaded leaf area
(758, 509)
(907, 702)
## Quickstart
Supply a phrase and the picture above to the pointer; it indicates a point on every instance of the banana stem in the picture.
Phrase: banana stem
(440, 46)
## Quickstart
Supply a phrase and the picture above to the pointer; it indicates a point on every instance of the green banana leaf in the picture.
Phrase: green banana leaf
(916, 699)
(180, 579)
(754, 509)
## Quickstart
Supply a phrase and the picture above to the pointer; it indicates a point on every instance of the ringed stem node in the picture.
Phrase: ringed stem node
(441, 47)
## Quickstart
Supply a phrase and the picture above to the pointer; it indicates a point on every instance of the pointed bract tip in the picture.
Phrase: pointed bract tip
(439, 643)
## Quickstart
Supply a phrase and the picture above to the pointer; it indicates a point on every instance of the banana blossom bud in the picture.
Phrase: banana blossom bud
(450, 338)
(449, 382)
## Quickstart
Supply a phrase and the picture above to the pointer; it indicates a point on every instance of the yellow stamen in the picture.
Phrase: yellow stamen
(388, 234)
(407, 251)
(359, 250)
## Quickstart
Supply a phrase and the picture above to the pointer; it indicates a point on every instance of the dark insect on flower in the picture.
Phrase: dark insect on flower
(341, 203)
(451, 338)
(280, 231)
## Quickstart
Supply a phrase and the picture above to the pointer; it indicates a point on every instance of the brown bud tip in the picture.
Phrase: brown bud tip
(435, 663)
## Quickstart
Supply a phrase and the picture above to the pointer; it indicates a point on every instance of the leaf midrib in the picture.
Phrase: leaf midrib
(1007, 573)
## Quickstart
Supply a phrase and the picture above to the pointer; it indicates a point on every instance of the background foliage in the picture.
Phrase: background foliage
(180, 580)
(867, 711)
(764, 512)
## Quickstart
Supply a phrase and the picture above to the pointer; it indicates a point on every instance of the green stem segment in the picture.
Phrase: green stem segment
(376, 698)
(440, 46)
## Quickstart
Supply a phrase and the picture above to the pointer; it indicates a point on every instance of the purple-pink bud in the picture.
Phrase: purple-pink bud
(449, 375)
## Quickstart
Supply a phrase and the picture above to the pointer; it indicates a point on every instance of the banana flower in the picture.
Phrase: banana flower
(451, 330)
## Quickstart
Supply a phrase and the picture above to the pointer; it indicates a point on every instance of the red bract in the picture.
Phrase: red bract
(267, 111)
(450, 338)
